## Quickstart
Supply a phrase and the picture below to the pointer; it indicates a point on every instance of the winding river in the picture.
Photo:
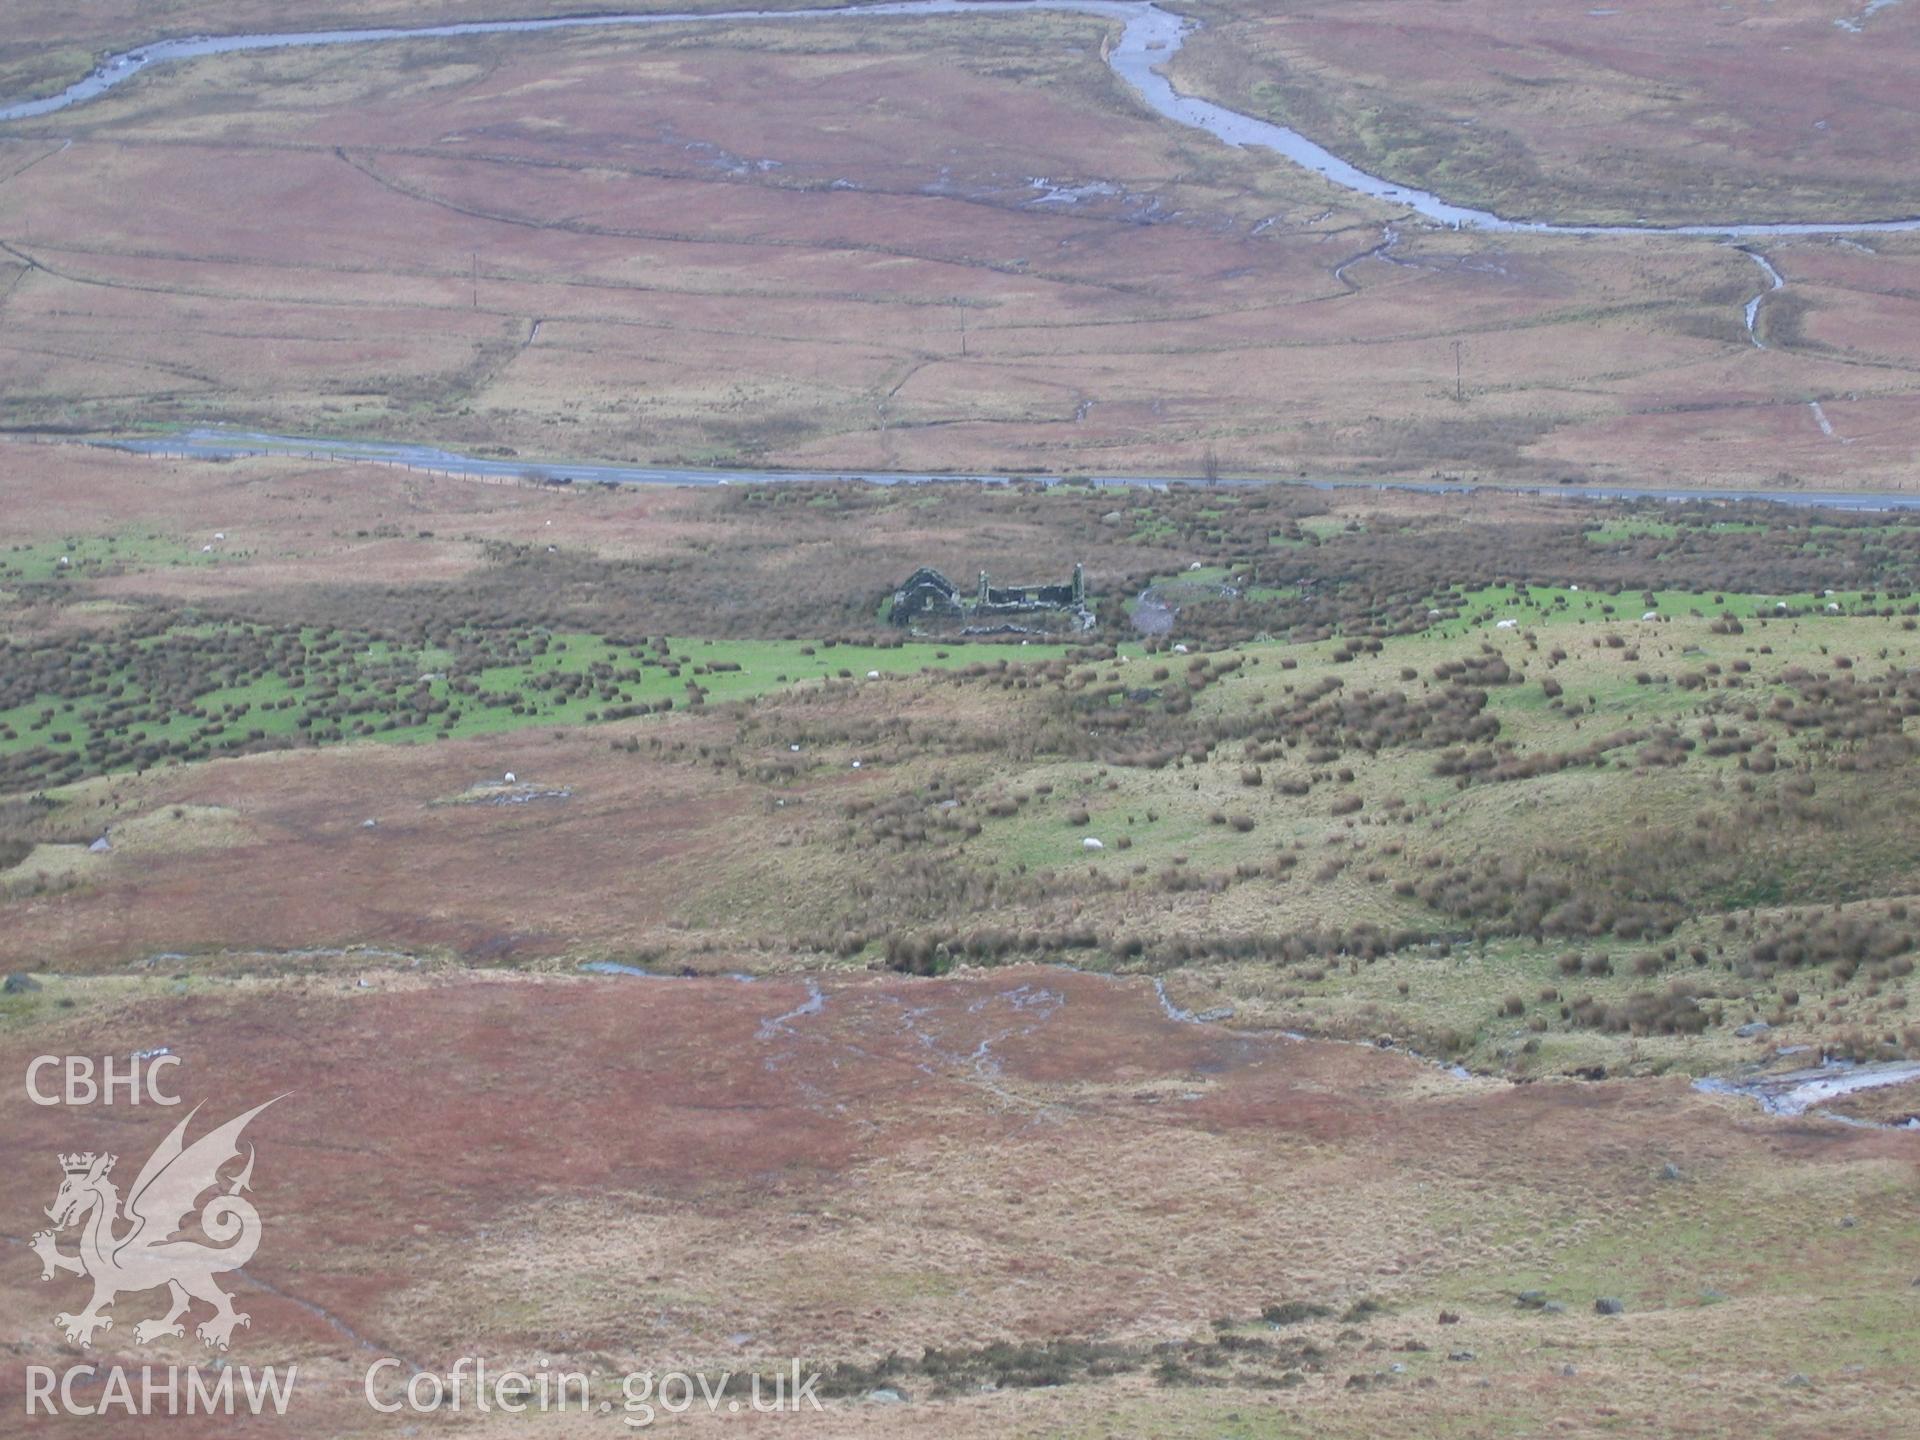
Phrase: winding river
(1150, 36)
(223, 443)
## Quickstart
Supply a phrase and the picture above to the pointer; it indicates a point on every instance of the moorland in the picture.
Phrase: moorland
(962, 243)
(1499, 819)
(1430, 963)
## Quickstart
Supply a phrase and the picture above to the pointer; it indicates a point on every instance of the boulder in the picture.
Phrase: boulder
(19, 984)
(1607, 1305)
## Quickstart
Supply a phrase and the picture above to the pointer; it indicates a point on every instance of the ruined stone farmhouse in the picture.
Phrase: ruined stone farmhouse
(928, 602)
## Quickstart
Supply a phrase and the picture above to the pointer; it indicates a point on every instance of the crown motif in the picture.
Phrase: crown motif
(81, 1164)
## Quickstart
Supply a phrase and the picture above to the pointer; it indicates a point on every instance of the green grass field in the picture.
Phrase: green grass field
(333, 693)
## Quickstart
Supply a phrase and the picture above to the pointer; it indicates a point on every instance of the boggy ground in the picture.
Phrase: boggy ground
(1660, 114)
(933, 244)
(1592, 800)
(621, 1173)
(1641, 805)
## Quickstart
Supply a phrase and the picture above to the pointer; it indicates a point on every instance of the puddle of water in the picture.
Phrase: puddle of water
(614, 967)
(1217, 1015)
(815, 1002)
(1794, 1092)
(1857, 24)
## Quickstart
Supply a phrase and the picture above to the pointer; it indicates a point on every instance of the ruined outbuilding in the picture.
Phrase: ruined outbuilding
(929, 602)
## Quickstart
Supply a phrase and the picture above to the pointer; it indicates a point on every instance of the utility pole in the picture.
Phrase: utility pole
(476, 279)
(963, 325)
(1458, 395)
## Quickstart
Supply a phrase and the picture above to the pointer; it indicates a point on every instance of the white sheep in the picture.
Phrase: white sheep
(1651, 615)
(1506, 624)
(509, 777)
(1091, 844)
(873, 674)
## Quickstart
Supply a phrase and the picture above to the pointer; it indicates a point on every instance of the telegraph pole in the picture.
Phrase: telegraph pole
(1458, 394)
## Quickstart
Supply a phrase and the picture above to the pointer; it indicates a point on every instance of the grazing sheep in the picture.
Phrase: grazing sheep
(1506, 624)
(1091, 844)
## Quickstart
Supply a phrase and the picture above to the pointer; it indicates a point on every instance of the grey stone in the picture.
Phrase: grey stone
(1753, 1028)
(1462, 1356)
(886, 1395)
(20, 984)
(1607, 1305)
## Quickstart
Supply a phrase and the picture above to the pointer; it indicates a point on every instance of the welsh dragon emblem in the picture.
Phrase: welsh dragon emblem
(139, 1247)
